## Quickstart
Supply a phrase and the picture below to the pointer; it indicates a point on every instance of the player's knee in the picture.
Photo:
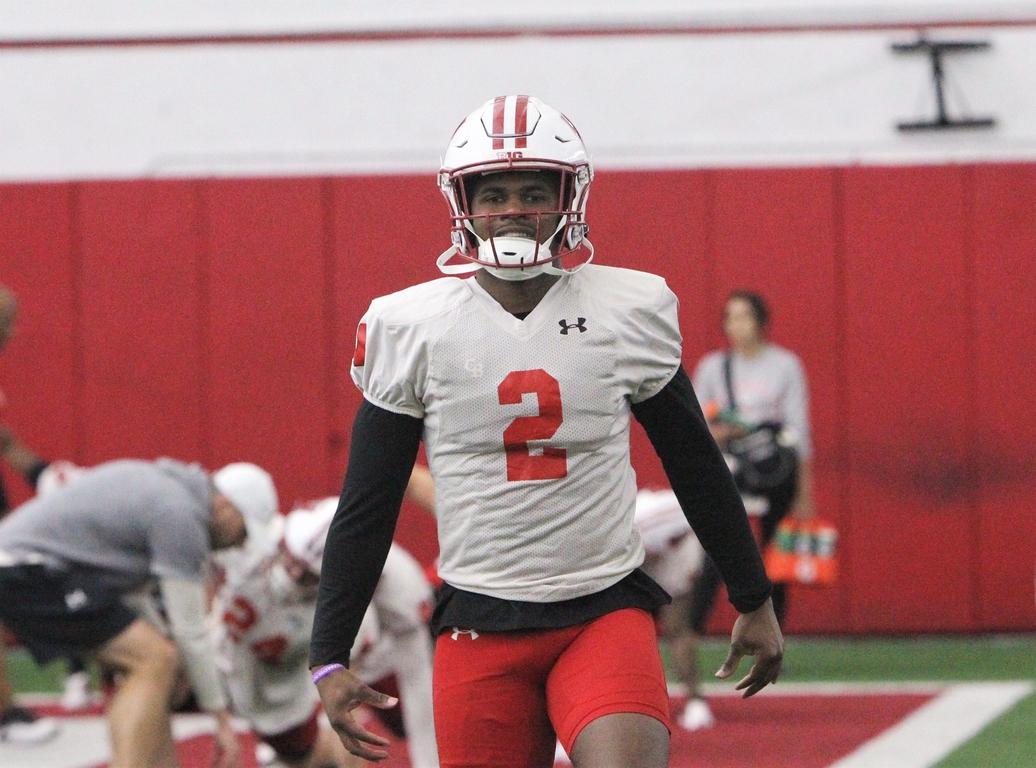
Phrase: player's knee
(163, 662)
(622, 740)
(140, 649)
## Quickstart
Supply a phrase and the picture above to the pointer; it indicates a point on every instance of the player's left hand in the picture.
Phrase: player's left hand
(341, 693)
(755, 634)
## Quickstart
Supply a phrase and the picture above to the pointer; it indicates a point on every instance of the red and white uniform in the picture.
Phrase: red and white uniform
(674, 555)
(263, 635)
(263, 647)
(483, 381)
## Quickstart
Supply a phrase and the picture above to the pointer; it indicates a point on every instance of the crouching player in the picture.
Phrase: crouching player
(674, 558)
(265, 617)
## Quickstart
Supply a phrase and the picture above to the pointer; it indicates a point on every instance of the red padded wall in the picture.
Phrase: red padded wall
(213, 320)
(1004, 199)
(267, 387)
(909, 350)
(41, 367)
(140, 310)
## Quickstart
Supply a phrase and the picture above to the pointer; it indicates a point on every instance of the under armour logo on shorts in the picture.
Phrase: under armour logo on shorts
(567, 326)
(457, 632)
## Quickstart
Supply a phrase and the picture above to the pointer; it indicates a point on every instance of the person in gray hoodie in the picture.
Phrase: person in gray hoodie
(71, 561)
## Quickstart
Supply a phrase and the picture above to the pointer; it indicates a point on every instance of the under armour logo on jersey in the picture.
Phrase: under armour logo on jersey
(567, 326)
(457, 632)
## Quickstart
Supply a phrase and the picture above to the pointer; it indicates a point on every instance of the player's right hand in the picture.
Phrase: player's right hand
(341, 693)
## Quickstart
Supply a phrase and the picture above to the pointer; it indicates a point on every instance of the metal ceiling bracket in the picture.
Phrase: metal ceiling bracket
(935, 51)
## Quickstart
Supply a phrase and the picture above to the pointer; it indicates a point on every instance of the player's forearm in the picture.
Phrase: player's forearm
(414, 675)
(383, 448)
(185, 607)
(701, 481)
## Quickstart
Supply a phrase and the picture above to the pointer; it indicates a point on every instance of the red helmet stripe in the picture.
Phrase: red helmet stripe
(498, 122)
(521, 122)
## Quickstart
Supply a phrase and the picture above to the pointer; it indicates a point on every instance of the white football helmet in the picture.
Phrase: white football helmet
(305, 530)
(294, 572)
(512, 133)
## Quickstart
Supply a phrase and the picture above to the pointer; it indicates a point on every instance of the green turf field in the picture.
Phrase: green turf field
(1008, 742)
(1011, 657)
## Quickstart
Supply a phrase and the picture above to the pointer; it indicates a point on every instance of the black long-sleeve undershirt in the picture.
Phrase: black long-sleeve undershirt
(384, 446)
(705, 489)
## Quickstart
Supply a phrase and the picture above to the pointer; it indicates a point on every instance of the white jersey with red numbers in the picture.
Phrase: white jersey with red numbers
(263, 651)
(674, 555)
(394, 640)
(526, 422)
(263, 641)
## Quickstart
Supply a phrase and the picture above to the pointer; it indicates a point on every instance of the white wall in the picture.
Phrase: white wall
(641, 99)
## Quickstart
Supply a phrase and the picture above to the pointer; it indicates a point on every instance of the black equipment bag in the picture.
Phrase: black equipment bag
(762, 463)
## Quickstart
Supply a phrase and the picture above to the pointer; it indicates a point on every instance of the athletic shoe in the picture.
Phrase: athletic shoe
(76, 695)
(20, 726)
(696, 715)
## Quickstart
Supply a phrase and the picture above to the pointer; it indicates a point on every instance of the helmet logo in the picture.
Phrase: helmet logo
(512, 119)
(509, 155)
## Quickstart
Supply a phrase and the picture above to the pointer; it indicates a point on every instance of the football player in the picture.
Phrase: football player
(75, 558)
(521, 379)
(265, 616)
(674, 558)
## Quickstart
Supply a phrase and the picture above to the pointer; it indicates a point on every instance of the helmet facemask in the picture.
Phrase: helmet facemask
(544, 236)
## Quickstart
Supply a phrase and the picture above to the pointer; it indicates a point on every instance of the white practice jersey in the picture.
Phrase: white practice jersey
(674, 555)
(263, 639)
(526, 422)
(402, 605)
(263, 651)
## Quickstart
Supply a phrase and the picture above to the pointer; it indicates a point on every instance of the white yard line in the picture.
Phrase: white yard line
(926, 736)
(879, 688)
(955, 715)
(83, 741)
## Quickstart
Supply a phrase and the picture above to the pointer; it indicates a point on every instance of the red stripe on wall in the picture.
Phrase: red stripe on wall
(488, 33)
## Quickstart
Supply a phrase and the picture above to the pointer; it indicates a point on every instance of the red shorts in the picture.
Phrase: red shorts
(500, 697)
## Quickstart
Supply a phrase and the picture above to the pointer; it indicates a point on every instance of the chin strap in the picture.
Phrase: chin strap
(455, 269)
(507, 273)
(552, 270)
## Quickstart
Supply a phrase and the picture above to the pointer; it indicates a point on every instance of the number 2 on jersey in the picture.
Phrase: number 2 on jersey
(522, 465)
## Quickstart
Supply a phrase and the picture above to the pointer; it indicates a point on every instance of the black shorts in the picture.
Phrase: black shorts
(59, 614)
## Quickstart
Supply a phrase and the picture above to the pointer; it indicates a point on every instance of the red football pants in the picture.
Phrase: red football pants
(500, 697)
